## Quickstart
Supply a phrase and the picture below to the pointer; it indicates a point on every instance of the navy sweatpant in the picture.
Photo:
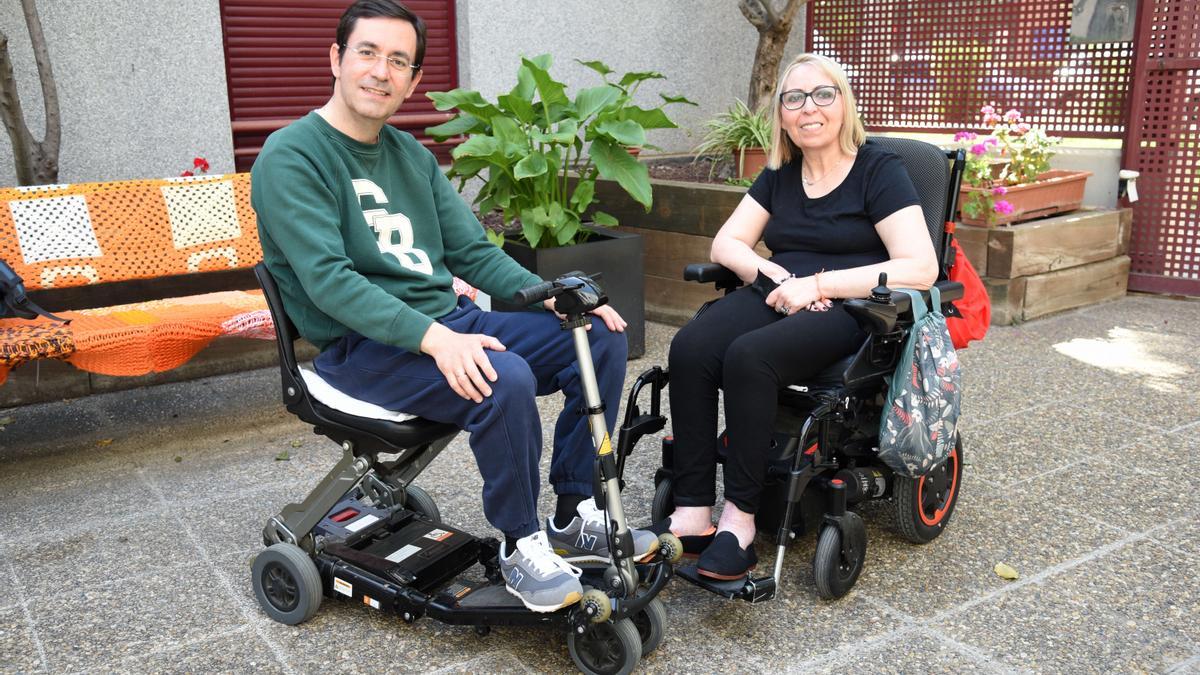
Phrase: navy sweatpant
(505, 431)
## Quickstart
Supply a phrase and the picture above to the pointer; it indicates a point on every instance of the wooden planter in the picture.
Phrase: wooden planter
(1049, 265)
(1056, 191)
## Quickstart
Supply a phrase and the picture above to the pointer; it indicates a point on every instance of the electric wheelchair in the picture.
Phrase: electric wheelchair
(367, 533)
(824, 457)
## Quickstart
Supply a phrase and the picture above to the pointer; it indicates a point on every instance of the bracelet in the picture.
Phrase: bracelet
(817, 279)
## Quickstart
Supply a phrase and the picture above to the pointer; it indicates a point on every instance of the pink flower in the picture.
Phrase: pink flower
(991, 141)
(979, 149)
(1022, 129)
(999, 190)
(991, 120)
(987, 110)
(964, 136)
(1013, 115)
(1002, 207)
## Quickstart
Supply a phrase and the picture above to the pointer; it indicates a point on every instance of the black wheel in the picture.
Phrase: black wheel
(286, 583)
(419, 500)
(923, 506)
(650, 622)
(835, 573)
(663, 504)
(609, 648)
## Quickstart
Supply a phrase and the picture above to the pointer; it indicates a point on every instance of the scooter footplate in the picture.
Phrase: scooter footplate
(745, 588)
(490, 595)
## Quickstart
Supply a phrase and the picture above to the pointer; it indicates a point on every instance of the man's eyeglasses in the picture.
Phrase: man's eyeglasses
(397, 64)
(793, 99)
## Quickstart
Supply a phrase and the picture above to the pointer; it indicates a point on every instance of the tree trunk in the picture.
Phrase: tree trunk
(36, 163)
(774, 27)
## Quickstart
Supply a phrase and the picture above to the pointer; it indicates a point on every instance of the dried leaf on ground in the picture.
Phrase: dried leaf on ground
(104, 441)
(1006, 572)
(297, 443)
(283, 456)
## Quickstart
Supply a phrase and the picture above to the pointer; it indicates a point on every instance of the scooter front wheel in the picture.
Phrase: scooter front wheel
(286, 583)
(609, 648)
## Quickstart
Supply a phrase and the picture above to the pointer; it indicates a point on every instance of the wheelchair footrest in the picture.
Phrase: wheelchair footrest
(750, 589)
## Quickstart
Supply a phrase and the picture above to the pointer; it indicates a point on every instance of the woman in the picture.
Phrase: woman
(835, 211)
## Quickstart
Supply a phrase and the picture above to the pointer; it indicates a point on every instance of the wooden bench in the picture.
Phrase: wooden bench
(152, 245)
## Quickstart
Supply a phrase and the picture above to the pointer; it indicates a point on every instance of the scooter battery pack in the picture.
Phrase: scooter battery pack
(421, 554)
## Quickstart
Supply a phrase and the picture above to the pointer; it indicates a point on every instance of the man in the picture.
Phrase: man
(363, 234)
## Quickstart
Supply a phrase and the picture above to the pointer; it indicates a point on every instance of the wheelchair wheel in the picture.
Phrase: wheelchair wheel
(836, 574)
(419, 500)
(650, 623)
(609, 648)
(663, 504)
(923, 506)
(286, 583)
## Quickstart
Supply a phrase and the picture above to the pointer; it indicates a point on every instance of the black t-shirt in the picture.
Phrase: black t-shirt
(837, 231)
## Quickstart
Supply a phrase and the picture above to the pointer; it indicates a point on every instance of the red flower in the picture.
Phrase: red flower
(186, 174)
(200, 164)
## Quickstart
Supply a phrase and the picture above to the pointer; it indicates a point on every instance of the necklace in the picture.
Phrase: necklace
(824, 176)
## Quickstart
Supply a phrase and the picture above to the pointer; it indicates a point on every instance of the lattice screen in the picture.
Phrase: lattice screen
(1165, 147)
(929, 65)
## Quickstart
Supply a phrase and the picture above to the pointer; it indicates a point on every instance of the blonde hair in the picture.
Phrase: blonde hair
(852, 134)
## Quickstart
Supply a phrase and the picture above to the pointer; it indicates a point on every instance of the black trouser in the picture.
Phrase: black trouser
(742, 346)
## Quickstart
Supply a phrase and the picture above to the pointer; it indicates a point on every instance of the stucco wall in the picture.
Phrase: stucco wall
(141, 86)
(705, 50)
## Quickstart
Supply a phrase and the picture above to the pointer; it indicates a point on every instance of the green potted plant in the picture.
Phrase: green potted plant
(538, 153)
(1008, 178)
(741, 133)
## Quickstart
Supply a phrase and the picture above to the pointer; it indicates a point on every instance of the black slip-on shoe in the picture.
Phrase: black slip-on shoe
(725, 560)
(693, 544)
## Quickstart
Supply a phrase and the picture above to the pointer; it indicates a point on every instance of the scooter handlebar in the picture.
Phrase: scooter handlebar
(536, 293)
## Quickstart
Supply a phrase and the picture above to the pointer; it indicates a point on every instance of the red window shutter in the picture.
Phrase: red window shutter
(277, 67)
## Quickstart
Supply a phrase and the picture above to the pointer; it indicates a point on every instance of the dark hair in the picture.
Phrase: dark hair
(388, 9)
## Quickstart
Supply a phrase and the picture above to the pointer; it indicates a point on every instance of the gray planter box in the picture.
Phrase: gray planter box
(616, 255)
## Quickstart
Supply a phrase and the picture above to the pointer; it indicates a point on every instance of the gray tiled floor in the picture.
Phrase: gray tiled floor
(128, 522)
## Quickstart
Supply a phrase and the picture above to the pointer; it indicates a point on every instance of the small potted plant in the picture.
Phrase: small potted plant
(539, 152)
(740, 133)
(1008, 178)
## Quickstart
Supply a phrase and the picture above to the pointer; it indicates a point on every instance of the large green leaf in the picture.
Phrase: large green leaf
(471, 102)
(520, 107)
(550, 91)
(615, 163)
(534, 164)
(625, 132)
(591, 100)
(630, 78)
(598, 66)
(566, 132)
(467, 167)
(677, 99)
(565, 233)
(533, 224)
(603, 219)
(507, 131)
(477, 146)
(648, 119)
(584, 195)
(462, 124)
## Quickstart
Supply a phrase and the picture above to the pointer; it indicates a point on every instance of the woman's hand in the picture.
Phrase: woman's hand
(796, 294)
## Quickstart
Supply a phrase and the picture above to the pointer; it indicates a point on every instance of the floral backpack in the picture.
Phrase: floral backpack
(917, 429)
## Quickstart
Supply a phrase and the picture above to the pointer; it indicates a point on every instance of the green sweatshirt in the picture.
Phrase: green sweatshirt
(367, 237)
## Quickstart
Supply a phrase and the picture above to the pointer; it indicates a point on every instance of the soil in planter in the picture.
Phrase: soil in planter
(684, 169)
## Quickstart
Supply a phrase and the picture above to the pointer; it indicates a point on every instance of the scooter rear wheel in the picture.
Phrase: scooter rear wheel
(609, 648)
(419, 500)
(922, 506)
(663, 504)
(286, 583)
(650, 622)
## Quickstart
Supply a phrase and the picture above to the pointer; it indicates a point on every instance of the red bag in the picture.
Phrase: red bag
(975, 307)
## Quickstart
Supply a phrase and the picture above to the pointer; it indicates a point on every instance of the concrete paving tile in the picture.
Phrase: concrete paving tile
(1151, 587)
(994, 456)
(1149, 312)
(909, 653)
(93, 557)
(496, 661)
(237, 651)
(1056, 430)
(1131, 501)
(924, 580)
(1040, 627)
(82, 627)
(20, 652)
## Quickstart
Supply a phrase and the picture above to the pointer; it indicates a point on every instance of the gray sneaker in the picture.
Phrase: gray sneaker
(585, 539)
(542, 580)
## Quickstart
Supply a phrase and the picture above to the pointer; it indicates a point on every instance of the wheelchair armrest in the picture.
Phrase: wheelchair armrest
(711, 272)
(879, 318)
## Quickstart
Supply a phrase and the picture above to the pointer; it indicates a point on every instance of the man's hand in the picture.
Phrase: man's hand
(461, 359)
(605, 313)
